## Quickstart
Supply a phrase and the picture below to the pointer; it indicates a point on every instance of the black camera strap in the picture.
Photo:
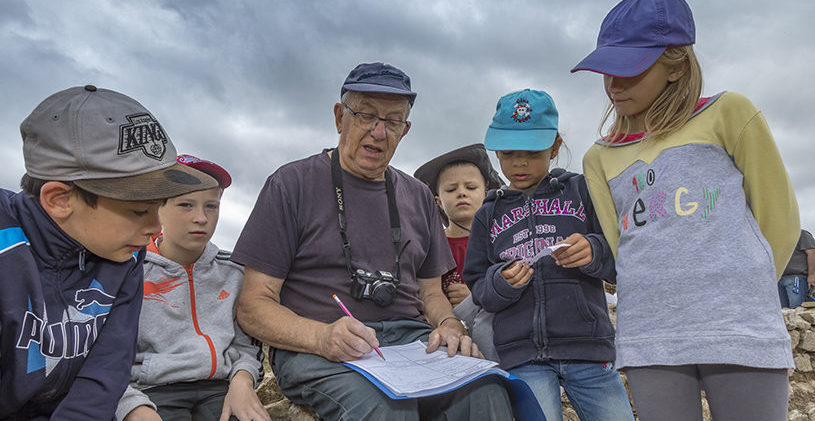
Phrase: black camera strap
(393, 213)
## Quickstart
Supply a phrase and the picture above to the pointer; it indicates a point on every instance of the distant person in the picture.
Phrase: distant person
(696, 203)
(345, 222)
(193, 362)
(98, 166)
(551, 325)
(459, 180)
(799, 275)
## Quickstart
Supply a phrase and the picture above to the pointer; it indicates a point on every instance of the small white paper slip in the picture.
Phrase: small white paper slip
(546, 251)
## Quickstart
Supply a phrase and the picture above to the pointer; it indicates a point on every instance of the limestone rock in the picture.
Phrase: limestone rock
(802, 363)
(795, 337)
(807, 341)
(810, 410)
(808, 315)
(798, 322)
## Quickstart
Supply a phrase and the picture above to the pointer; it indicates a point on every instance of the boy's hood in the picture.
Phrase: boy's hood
(155, 257)
(546, 186)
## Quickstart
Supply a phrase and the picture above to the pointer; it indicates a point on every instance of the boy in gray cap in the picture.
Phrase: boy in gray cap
(98, 165)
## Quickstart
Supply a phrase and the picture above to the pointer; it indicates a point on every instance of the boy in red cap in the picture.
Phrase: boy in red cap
(192, 358)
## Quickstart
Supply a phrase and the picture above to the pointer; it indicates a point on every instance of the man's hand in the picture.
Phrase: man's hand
(142, 413)
(242, 401)
(517, 273)
(576, 255)
(452, 334)
(457, 292)
(346, 339)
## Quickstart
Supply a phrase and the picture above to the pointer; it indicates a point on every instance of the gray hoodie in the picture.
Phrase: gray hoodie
(187, 327)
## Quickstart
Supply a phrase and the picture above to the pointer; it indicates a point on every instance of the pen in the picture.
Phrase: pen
(348, 313)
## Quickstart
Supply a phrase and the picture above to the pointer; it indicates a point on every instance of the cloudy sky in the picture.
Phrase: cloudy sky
(251, 84)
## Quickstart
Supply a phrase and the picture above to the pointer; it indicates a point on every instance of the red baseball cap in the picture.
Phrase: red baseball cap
(216, 171)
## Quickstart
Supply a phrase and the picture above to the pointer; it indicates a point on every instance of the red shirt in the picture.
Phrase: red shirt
(459, 248)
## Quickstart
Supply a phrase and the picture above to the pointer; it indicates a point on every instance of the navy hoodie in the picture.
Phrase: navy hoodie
(68, 319)
(560, 313)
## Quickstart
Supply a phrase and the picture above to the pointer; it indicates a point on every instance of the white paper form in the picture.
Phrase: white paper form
(546, 251)
(410, 371)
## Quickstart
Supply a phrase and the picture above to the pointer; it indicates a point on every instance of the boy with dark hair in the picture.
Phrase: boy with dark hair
(72, 243)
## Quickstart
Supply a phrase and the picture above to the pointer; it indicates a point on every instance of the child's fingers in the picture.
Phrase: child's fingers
(456, 293)
(578, 246)
(515, 267)
(525, 277)
(522, 276)
(579, 254)
(512, 270)
(580, 258)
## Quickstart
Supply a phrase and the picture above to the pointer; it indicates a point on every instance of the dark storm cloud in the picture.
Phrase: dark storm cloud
(251, 84)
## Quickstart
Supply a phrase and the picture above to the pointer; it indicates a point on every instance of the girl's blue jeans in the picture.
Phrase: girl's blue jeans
(595, 389)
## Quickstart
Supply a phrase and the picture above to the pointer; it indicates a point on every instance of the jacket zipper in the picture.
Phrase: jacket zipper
(538, 315)
(64, 364)
(213, 356)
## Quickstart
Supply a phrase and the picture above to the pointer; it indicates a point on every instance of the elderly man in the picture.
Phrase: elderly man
(344, 222)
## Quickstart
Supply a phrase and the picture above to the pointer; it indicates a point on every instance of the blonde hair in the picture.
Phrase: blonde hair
(674, 105)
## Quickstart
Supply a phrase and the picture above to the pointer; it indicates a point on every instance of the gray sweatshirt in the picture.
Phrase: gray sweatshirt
(187, 327)
(702, 221)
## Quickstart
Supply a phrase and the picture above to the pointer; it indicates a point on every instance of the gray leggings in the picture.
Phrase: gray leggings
(733, 392)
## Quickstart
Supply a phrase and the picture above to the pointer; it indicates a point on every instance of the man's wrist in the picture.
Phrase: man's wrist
(458, 322)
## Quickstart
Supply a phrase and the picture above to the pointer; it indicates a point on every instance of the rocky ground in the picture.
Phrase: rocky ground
(800, 324)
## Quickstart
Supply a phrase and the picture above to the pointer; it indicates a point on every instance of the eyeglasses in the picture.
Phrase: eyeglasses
(369, 121)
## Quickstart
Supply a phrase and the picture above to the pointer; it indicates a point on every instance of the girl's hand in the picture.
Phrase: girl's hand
(576, 255)
(457, 292)
(142, 413)
(241, 400)
(518, 273)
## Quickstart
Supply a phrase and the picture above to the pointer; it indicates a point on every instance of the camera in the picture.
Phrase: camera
(379, 286)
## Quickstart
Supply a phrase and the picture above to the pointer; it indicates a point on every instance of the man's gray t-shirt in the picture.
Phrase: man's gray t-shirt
(798, 261)
(293, 234)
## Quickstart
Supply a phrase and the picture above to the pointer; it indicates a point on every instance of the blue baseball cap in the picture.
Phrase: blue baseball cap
(378, 78)
(523, 121)
(635, 33)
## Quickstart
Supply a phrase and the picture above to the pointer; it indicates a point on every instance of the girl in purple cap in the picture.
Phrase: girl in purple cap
(695, 202)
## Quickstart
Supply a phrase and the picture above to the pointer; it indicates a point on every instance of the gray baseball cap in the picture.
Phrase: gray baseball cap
(106, 143)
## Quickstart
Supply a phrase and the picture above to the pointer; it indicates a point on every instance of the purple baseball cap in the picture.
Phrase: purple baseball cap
(635, 33)
(378, 78)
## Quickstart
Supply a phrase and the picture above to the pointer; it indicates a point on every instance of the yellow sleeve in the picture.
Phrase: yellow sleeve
(767, 185)
(601, 196)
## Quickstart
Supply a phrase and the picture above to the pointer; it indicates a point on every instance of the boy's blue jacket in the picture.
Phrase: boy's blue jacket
(560, 313)
(68, 319)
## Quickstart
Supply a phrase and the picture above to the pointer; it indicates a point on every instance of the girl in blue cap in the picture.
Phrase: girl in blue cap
(694, 200)
(551, 325)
